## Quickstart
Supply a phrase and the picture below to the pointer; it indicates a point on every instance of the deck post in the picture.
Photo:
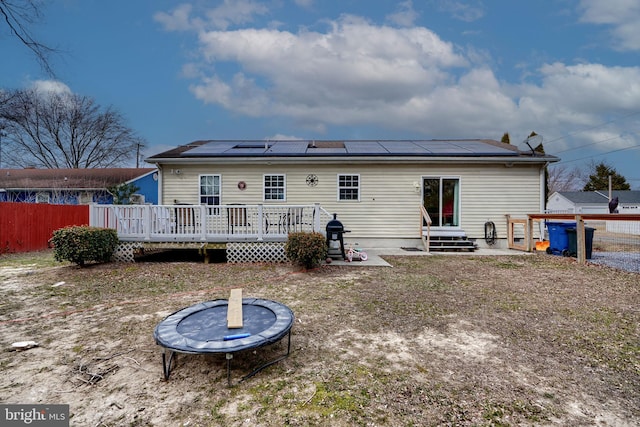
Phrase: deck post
(147, 222)
(316, 217)
(509, 232)
(260, 223)
(112, 219)
(581, 248)
(529, 234)
(203, 223)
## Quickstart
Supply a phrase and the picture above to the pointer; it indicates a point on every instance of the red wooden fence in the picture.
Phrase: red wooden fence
(26, 227)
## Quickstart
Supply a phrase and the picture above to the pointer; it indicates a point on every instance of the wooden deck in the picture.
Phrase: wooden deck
(208, 224)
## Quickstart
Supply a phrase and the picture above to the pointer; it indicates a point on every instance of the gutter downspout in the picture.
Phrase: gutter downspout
(543, 202)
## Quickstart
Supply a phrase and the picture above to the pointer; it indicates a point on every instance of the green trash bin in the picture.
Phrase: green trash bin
(572, 240)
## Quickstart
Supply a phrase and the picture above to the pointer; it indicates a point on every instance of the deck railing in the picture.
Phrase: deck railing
(221, 223)
(425, 219)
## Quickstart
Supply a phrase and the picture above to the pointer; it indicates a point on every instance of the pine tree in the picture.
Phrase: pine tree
(599, 181)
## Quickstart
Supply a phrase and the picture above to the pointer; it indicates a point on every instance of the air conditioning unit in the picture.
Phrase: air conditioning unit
(136, 199)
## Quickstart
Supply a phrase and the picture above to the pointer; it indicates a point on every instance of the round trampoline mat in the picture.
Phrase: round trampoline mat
(202, 328)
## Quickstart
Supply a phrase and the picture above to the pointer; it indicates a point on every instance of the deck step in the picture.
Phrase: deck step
(452, 242)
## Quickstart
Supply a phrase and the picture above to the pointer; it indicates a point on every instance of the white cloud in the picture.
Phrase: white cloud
(352, 63)
(51, 86)
(230, 12)
(235, 12)
(406, 79)
(467, 11)
(178, 20)
(576, 87)
(405, 16)
(622, 15)
(580, 97)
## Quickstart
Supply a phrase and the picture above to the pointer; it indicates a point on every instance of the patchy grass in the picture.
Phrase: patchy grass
(434, 340)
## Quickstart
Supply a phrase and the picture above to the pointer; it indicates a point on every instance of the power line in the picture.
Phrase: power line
(593, 143)
(597, 155)
(595, 127)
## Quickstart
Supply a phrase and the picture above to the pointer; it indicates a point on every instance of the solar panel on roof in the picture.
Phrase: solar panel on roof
(213, 148)
(442, 147)
(288, 147)
(365, 147)
(357, 148)
(402, 147)
(483, 148)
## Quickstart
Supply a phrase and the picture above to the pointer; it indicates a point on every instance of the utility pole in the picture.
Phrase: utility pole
(610, 188)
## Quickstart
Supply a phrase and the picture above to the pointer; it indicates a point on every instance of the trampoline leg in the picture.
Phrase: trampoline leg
(266, 365)
(166, 365)
(229, 357)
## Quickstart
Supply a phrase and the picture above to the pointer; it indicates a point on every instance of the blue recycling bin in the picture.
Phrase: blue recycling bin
(558, 238)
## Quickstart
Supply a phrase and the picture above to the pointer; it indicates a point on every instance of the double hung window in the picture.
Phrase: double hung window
(274, 187)
(210, 190)
(349, 187)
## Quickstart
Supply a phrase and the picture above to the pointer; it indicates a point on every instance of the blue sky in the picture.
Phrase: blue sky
(354, 69)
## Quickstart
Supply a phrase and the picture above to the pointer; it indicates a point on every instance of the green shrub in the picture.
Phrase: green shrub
(80, 244)
(307, 249)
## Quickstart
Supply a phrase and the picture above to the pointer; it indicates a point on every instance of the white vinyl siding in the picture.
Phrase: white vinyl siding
(390, 202)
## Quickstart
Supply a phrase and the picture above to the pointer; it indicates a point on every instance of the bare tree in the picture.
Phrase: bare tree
(64, 130)
(561, 178)
(19, 16)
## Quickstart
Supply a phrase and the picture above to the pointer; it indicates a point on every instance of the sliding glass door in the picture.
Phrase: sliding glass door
(441, 199)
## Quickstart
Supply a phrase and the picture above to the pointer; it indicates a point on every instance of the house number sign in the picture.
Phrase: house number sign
(312, 180)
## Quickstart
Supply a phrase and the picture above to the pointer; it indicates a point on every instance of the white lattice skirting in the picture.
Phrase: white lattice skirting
(125, 251)
(256, 252)
(237, 252)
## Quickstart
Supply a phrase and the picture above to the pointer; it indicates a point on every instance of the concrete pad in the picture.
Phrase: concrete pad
(376, 255)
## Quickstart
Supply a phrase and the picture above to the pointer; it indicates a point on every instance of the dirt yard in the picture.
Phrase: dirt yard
(433, 340)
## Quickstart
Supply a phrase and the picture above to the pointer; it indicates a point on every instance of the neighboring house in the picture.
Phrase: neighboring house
(593, 202)
(376, 187)
(75, 186)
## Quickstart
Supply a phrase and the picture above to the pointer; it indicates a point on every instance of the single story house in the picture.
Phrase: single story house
(593, 202)
(76, 186)
(377, 188)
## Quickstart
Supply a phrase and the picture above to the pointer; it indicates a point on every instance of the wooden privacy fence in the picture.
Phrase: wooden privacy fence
(26, 227)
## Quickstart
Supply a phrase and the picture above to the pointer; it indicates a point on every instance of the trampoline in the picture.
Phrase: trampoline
(202, 329)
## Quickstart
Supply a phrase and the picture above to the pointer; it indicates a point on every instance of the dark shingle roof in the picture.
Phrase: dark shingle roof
(344, 148)
(598, 197)
(68, 178)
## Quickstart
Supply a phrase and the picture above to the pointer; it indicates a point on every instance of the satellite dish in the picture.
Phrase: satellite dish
(530, 143)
